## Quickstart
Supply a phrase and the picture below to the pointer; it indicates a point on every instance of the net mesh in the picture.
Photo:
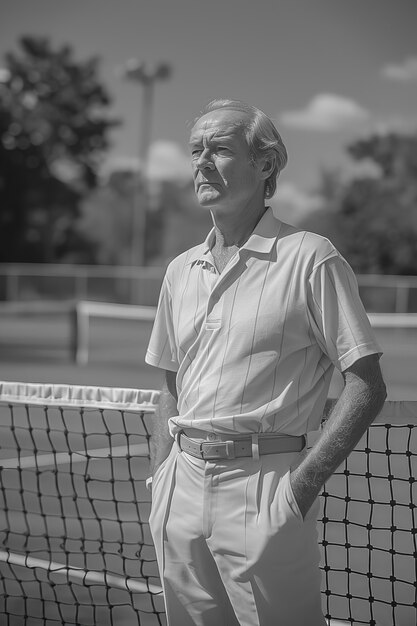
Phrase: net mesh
(75, 546)
(368, 525)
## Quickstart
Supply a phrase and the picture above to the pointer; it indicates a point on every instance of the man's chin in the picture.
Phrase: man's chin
(208, 199)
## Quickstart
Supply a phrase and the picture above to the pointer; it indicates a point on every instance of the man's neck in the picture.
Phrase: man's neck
(233, 231)
(230, 235)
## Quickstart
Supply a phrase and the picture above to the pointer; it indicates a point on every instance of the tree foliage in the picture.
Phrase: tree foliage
(54, 131)
(174, 220)
(373, 219)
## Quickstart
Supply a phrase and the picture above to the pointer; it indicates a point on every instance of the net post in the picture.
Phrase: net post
(80, 332)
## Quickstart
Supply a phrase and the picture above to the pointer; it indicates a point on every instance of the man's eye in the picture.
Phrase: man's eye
(196, 153)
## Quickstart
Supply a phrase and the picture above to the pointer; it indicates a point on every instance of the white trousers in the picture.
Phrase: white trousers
(231, 544)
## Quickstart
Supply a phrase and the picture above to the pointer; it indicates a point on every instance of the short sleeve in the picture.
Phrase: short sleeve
(161, 350)
(337, 315)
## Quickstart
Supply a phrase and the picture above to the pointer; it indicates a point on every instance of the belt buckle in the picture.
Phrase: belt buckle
(225, 450)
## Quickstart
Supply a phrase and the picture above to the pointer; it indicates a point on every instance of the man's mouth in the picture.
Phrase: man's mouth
(205, 183)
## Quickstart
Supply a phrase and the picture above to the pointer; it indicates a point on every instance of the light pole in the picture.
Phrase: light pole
(137, 72)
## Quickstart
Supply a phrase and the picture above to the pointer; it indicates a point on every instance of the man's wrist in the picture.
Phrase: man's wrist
(304, 492)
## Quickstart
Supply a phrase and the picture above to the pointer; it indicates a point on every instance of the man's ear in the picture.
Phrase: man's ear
(268, 166)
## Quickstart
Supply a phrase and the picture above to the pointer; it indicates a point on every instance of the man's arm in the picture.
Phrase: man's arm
(358, 405)
(161, 441)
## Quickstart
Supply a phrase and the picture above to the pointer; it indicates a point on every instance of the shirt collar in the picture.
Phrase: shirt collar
(261, 240)
(264, 235)
(201, 252)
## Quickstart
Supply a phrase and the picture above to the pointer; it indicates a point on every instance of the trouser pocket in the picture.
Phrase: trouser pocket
(162, 485)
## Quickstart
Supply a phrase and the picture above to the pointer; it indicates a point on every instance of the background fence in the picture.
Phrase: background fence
(102, 283)
(141, 285)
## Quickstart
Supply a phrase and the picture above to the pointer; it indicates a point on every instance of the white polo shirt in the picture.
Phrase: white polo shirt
(254, 347)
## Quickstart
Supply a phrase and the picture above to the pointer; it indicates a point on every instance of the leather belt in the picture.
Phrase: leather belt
(240, 447)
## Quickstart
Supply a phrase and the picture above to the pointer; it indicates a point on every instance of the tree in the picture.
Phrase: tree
(174, 220)
(395, 154)
(379, 228)
(380, 213)
(325, 219)
(54, 130)
(373, 218)
(107, 214)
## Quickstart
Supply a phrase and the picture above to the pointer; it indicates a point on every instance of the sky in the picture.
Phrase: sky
(326, 71)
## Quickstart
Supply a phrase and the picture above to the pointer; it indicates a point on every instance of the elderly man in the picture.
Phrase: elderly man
(249, 328)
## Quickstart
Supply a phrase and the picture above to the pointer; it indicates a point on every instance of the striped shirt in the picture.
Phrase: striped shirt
(255, 347)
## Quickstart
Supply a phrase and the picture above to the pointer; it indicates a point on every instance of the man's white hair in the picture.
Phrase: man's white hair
(261, 134)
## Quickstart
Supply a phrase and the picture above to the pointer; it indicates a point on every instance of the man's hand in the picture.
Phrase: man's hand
(360, 402)
(304, 497)
(161, 440)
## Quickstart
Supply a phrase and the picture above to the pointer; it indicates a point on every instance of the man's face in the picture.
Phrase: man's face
(225, 177)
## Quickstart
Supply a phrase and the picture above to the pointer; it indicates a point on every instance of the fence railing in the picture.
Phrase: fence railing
(102, 283)
(141, 285)
(84, 311)
(388, 294)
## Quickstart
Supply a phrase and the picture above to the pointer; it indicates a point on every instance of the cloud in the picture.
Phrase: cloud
(4, 75)
(120, 162)
(405, 72)
(326, 112)
(291, 204)
(403, 125)
(168, 161)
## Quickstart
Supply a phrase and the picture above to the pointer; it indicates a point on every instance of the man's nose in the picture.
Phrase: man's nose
(204, 160)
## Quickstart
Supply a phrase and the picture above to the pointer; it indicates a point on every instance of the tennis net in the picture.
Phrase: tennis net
(75, 546)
